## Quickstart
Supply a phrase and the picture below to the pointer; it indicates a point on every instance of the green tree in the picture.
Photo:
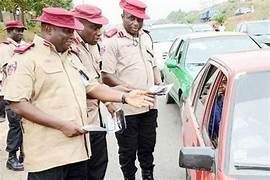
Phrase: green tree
(220, 18)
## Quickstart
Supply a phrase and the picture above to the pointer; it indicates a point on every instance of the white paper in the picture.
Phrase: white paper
(161, 90)
(93, 128)
(111, 125)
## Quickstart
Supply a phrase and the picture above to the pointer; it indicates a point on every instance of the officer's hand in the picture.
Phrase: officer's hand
(71, 129)
(111, 108)
(140, 98)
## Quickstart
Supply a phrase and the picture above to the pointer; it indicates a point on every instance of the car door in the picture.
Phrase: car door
(169, 72)
(194, 111)
(178, 74)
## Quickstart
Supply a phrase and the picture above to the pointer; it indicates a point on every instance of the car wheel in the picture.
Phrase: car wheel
(169, 99)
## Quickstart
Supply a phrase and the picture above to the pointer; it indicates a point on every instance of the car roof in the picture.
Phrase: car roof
(198, 35)
(158, 26)
(244, 61)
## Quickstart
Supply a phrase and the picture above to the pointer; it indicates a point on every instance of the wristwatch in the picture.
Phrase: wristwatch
(123, 99)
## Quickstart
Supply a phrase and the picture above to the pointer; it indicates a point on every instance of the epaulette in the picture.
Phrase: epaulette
(111, 33)
(24, 48)
(6, 42)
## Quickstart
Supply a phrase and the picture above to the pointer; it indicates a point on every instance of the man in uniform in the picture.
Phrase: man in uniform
(14, 138)
(91, 17)
(47, 85)
(128, 60)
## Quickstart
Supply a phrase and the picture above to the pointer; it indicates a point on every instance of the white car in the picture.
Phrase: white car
(163, 36)
(258, 30)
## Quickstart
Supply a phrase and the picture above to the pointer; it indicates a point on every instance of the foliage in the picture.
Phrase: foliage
(220, 18)
(180, 17)
(35, 6)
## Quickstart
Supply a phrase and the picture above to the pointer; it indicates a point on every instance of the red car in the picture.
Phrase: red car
(226, 119)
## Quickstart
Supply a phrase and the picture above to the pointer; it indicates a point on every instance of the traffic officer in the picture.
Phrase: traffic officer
(14, 137)
(47, 85)
(93, 20)
(129, 61)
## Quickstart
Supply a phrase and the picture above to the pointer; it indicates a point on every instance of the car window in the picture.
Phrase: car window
(249, 123)
(199, 50)
(180, 51)
(174, 47)
(203, 91)
(214, 119)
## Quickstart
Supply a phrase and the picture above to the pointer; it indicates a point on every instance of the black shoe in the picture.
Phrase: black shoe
(147, 175)
(21, 157)
(14, 164)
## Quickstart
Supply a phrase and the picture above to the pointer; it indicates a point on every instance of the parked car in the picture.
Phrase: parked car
(259, 30)
(230, 142)
(163, 36)
(204, 27)
(189, 53)
(242, 10)
(208, 15)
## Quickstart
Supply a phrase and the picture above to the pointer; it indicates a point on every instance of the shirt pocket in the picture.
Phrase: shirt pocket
(51, 67)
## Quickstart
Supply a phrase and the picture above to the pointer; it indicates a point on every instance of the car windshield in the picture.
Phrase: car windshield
(250, 135)
(199, 50)
(259, 28)
(168, 34)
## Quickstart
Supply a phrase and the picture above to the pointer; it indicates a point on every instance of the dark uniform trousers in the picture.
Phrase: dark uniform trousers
(14, 136)
(75, 171)
(2, 107)
(139, 137)
(98, 162)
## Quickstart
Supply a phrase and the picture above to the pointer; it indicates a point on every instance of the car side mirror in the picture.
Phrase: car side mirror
(171, 64)
(199, 158)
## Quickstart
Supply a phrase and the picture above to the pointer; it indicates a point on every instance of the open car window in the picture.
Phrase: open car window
(203, 90)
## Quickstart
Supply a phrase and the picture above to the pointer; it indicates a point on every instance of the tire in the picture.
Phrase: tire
(169, 99)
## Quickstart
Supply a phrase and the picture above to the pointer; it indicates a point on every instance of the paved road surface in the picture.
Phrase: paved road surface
(166, 153)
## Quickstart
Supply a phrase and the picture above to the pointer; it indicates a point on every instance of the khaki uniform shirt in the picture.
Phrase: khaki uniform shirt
(90, 58)
(6, 52)
(51, 82)
(130, 60)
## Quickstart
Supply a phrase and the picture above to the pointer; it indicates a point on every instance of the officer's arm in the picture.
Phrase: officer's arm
(111, 80)
(135, 98)
(34, 114)
(157, 76)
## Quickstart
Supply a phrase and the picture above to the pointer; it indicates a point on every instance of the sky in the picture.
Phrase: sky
(156, 8)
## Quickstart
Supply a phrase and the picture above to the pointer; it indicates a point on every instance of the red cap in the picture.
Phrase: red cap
(59, 17)
(90, 13)
(14, 24)
(134, 7)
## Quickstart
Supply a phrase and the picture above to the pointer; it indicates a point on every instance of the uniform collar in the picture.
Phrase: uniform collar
(79, 40)
(13, 42)
(122, 32)
(45, 45)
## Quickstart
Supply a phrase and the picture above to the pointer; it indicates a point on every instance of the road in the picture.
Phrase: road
(166, 152)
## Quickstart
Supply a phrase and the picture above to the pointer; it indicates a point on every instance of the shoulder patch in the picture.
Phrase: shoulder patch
(24, 48)
(111, 33)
